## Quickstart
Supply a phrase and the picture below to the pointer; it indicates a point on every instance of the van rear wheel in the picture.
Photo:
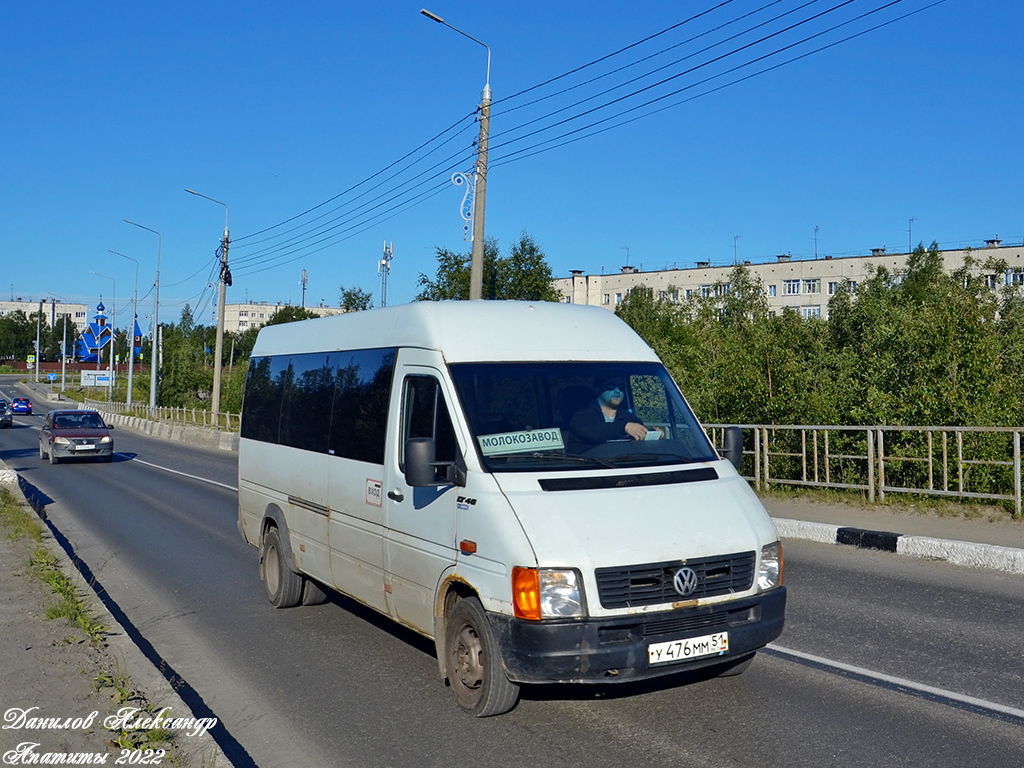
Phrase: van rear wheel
(284, 586)
(312, 593)
(473, 662)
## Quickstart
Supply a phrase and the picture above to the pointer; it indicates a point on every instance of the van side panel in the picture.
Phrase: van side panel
(357, 530)
(296, 481)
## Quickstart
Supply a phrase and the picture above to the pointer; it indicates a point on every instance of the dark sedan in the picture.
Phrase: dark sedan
(6, 417)
(75, 435)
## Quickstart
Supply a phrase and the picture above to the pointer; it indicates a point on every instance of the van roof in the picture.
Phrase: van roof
(467, 331)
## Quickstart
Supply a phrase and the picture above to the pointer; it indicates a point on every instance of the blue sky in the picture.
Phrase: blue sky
(108, 111)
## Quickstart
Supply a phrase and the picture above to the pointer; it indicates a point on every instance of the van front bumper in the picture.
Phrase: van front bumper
(614, 649)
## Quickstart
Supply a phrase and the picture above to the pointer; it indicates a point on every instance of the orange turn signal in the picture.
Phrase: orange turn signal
(526, 593)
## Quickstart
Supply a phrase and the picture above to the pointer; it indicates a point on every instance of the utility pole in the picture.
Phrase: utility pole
(815, 241)
(303, 279)
(735, 249)
(910, 236)
(476, 272)
(225, 281)
(39, 325)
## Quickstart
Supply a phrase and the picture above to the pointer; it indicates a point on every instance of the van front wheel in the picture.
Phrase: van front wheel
(473, 662)
(284, 587)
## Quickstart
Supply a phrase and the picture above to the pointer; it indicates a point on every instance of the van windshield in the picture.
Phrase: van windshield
(577, 415)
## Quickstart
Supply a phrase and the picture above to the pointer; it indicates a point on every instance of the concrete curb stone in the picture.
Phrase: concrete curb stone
(1008, 559)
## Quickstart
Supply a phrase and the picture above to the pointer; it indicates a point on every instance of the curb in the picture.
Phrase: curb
(200, 749)
(1007, 559)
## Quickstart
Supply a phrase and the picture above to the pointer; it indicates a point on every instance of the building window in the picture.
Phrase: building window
(1015, 276)
(809, 312)
(675, 295)
(662, 295)
(689, 293)
(791, 287)
(833, 288)
(568, 299)
(618, 298)
(607, 298)
(771, 290)
(705, 291)
(723, 289)
(812, 286)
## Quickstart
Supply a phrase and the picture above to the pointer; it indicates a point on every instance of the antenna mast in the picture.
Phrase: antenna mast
(384, 269)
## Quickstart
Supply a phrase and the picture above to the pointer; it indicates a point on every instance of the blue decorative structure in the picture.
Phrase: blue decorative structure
(97, 335)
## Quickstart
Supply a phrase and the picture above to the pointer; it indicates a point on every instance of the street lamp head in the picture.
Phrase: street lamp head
(430, 15)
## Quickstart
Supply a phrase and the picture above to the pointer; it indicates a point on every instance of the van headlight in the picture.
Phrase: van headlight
(770, 574)
(546, 593)
(61, 441)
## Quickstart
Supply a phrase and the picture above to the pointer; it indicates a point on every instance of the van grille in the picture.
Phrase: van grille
(651, 584)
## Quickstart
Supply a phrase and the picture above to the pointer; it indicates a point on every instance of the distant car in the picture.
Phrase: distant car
(74, 435)
(6, 417)
(21, 405)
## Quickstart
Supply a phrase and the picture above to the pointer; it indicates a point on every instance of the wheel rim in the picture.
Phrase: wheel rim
(272, 573)
(467, 661)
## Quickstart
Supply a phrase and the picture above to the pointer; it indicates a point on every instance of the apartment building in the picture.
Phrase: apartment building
(805, 285)
(52, 311)
(255, 314)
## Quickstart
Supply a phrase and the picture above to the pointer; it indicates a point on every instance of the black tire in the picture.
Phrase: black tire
(313, 593)
(53, 458)
(284, 586)
(733, 668)
(42, 453)
(473, 662)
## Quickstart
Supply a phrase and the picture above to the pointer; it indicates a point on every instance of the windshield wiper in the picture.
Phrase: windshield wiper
(573, 456)
(673, 457)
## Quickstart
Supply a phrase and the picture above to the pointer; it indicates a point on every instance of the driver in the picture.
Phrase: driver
(605, 418)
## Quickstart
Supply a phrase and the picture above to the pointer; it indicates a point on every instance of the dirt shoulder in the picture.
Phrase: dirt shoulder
(52, 670)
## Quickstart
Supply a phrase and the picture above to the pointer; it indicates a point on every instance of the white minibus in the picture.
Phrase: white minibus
(521, 482)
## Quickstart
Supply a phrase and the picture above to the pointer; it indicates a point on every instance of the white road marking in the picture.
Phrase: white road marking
(185, 474)
(903, 683)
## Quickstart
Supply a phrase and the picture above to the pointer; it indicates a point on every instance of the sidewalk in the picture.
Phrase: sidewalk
(917, 532)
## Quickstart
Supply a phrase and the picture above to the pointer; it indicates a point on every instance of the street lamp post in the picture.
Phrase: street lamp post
(135, 314)
(113, 331)
(476, 273)
(156, 315)
(225, 281)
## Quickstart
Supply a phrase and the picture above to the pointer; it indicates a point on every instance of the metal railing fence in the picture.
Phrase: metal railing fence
(229, 422)
(958, 462)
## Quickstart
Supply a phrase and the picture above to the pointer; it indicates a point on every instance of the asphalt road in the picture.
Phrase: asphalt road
(337, 685)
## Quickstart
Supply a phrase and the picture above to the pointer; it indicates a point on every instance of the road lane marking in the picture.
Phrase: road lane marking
(900, 682)
(185, 474)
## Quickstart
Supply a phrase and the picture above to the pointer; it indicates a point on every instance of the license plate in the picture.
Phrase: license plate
(691, 648)
(85, 447)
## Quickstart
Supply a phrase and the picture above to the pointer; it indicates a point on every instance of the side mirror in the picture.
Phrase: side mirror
(419, 461)
(421, 467)
(732, 446)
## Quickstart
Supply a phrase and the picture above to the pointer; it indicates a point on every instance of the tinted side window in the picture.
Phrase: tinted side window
(308, 393)
(360, 407)
(328, 402)
(261, 411)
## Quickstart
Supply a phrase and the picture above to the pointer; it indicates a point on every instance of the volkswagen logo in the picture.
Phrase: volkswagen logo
(685, 581)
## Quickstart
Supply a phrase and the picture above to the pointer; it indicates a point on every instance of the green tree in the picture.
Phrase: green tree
(291, 314)
(355, 299)
(523, 275)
